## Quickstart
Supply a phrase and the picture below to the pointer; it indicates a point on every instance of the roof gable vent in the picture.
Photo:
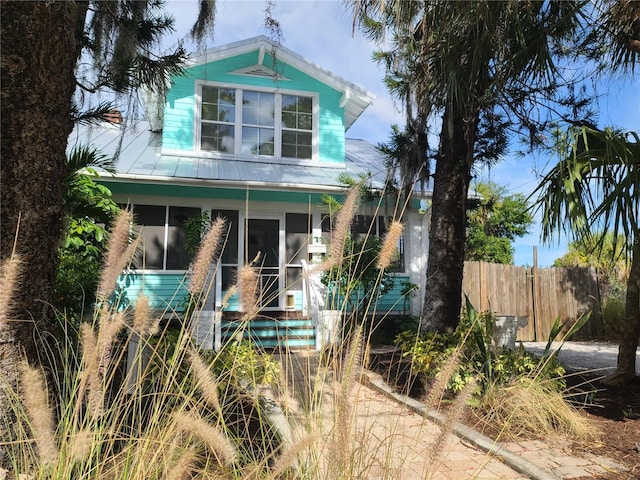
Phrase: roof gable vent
(258, 71)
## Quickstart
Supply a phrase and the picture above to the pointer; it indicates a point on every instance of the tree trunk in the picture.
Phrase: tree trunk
(40, 48)
(629, 344)
(443, 295)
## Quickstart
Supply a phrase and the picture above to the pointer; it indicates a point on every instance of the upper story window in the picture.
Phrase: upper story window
(250, 122)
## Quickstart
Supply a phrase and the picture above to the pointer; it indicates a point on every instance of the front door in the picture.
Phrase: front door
(263, 242)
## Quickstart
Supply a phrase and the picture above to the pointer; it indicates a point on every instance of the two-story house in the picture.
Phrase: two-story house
(256, 134)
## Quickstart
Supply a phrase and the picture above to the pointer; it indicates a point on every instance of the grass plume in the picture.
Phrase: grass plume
(34, 394)
(212, 437)
(209, 246)
(9, 274)
(115, 259)
(184, 466)
(81, 445)
(143, 322)
(454, 414)
(206, 381)
(340, 231)
(341, 449)
(390, 245)
(248, 290)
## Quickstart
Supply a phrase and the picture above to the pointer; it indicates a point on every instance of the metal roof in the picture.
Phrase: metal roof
(139, 157)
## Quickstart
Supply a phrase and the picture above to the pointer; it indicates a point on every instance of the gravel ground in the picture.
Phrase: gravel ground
(580, 356)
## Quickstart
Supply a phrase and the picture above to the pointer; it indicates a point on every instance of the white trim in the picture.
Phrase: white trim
(238, 122)
(288, 56)
(261, 54)
(243, 242)
(345, 98)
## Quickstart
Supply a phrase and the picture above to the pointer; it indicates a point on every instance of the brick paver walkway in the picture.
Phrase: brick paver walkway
(389, 440)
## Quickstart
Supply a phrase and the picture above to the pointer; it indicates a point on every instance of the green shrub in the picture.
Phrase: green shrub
(478, 357)
(76, 281)
(613, 316)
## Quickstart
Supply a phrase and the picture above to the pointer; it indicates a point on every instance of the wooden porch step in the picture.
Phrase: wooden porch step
(273, 332)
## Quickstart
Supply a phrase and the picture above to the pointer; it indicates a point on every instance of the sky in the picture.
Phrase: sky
(321, 31)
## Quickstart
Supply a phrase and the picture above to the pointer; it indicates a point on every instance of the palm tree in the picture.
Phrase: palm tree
(56, 54)
(594, 188)
(460, 62)
(46, 87)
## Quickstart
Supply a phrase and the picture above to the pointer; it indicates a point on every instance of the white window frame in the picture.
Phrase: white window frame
(278, 93)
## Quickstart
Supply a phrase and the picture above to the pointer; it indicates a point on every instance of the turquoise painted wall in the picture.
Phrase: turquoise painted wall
(167, 292)
(179, 113)
(393, 301)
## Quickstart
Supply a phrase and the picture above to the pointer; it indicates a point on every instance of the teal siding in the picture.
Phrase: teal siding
(179, 113)
(166, 291)
(125, 189)
(232, 302)
(392, 302)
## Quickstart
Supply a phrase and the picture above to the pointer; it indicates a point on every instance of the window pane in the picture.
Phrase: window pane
(258, 108)
(288, 137)
(296, 112)
(177, 257)
(249, 141)
(209, 94)
(289, 120)
(293, 279)
(297, 236)
(304, 152)
(304, 139)
(296, 144)
(305, 104)
(223, 101)
(226, 113)
(218, 105)
(257, 141)
(230, 253)
(229, 277)
(209, 112)
(217, 138)
(289, 103)
(151, 219)
(304, 122)
(289, 151)
(361, 226)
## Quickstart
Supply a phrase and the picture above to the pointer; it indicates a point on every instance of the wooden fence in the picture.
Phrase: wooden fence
(541, 294)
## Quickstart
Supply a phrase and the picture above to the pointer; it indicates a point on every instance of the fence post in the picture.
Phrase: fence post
(483, 287)
(535, 293)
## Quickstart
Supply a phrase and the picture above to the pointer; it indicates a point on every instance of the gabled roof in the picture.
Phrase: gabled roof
(355, 99)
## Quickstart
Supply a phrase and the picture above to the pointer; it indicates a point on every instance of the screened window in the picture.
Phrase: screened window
(163, 235)
(364, 225)
(248, 122)
(297, 231)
